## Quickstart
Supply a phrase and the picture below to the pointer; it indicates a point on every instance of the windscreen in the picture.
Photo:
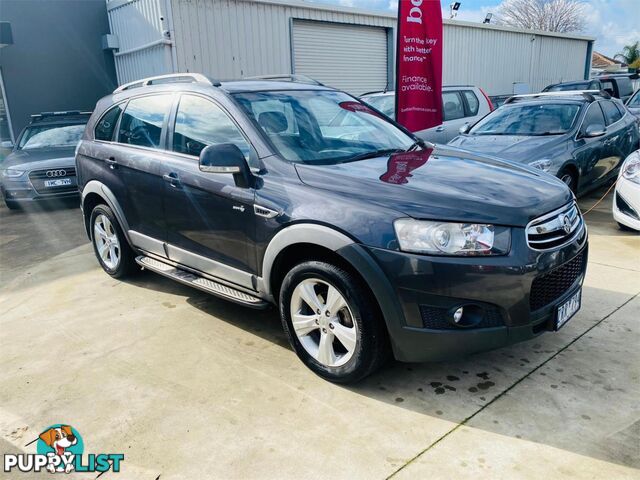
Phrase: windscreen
(568, 87)
(321, 126)
(528, 120)
(44, 136)
(385, 103)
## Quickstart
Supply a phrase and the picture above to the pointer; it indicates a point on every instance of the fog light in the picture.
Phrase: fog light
(457, 315)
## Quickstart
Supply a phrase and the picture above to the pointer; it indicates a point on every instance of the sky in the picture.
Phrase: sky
(614, 23)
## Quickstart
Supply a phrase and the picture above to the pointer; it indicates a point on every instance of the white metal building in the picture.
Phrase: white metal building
(346, 48)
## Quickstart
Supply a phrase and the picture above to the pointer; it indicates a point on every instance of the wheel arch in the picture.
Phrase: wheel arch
(95, 193)
(296, 242)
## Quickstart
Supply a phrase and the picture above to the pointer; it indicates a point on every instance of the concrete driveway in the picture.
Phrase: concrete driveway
(189, 386)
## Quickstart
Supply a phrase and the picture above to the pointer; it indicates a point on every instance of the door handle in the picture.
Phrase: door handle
(440, 129)
(111, 161)
(172, 178)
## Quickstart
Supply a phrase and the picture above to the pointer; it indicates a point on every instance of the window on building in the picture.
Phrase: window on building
(143, 119)
(107, 124)
(200, 123)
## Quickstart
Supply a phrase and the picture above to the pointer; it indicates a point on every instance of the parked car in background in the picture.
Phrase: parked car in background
(581, 137)
(633, 104)
(461, 104)
(626, 204)
(617, 85)
(498, 100)
(41, 166)
(369, 244)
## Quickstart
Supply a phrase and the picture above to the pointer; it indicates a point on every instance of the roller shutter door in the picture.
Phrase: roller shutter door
(349, 57)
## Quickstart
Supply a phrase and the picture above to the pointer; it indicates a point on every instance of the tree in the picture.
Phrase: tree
(630, 53)
(548, 15)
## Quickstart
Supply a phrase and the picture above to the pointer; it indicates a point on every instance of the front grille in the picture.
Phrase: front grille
(436, 318)
(42, 174)
(625, 208)
(38, 177)
(555, 229)
(550, 286)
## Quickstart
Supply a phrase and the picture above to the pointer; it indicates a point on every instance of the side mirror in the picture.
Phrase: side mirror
(6, 144)
(226, 158)
(595, 130)
(464, 129)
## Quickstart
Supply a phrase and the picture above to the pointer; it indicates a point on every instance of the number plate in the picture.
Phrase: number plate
(568, 309)
(60, 182)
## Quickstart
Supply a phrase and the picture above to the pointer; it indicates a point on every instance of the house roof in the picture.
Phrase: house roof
(598, 60)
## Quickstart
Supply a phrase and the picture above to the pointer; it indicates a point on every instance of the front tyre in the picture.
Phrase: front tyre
(110, 245)
(332, 322)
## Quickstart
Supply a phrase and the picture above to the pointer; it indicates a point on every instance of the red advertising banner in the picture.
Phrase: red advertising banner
(419, 64)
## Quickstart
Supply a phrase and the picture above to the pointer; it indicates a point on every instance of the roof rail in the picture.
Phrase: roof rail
(287, 77)
(58, 114)
(588, 94)
(170, 78)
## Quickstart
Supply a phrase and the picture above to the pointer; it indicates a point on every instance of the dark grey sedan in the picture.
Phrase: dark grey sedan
(41, 166)
(581, 137)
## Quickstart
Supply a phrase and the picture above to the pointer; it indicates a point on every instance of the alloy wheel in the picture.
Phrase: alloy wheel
(106, 240)
(323, 322)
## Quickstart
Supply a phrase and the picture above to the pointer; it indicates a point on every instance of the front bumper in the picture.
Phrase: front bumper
(517, 296)
(29, 189)
(626, 203)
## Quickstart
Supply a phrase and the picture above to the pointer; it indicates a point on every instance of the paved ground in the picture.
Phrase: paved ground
(188, 386)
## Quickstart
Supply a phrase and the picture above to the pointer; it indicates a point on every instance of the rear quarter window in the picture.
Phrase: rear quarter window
(472, 102)
(107, 124)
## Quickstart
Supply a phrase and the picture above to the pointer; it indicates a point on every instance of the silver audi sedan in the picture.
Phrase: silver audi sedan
(41, 166)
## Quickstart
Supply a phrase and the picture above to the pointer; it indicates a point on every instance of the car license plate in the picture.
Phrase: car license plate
(59, 182)
(568, 309)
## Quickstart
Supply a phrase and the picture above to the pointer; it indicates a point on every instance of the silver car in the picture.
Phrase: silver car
(462, 104)
(41, 166)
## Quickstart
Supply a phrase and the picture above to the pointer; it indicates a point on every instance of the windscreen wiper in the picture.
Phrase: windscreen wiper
(373, 154)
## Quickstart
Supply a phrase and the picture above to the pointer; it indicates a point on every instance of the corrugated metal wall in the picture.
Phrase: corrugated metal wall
(495, 59)
(140, 26)
(238, 38)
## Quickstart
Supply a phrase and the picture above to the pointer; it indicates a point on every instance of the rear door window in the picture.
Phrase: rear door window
(472, 103)
(453, 107)
(143, 120)
(611, 112)
(106, 126)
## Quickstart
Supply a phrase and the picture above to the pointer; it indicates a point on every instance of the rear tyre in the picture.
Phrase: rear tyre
(110, 245)
(332, 322)
(570, 179)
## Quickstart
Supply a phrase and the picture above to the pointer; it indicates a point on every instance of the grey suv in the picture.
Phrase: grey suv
(580, 137)
(369, 241)
(41, 166)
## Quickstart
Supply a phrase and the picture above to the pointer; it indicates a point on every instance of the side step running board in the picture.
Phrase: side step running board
(200, 283)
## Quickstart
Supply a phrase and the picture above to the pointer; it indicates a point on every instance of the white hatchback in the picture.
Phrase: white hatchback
(626, 204)
(461, 104)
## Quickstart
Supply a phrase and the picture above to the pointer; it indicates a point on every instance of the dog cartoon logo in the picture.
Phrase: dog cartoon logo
(60, 441)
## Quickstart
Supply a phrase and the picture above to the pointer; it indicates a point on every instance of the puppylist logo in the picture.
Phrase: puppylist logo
(60, 449)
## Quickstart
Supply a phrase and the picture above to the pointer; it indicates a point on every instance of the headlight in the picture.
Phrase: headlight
(631, 167)
(444, 238)
(12, 173)
(543, 165)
